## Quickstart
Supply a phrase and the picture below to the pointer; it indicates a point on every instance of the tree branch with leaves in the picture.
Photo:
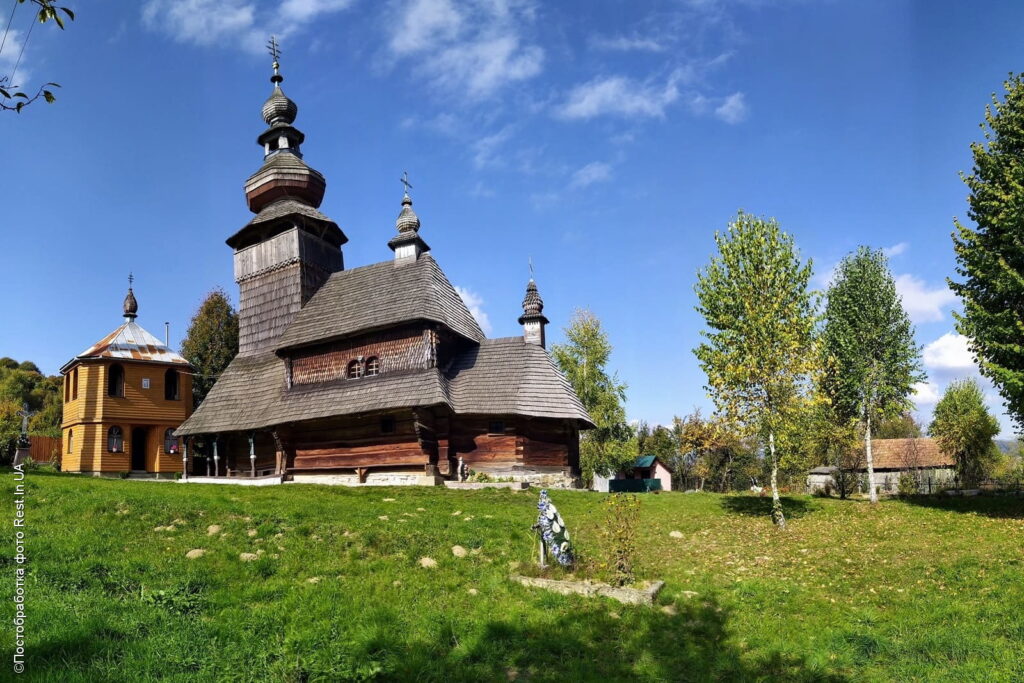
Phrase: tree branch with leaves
(12, 97)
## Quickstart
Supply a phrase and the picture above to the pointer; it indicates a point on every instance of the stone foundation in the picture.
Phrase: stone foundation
(372, 479)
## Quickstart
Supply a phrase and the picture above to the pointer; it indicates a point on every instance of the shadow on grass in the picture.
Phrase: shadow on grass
(1000, 506)
(608, 642)
(758, 506)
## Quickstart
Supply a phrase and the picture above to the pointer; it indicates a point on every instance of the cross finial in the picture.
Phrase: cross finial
(405, 181)
(131, 279)
(275, 51)
(530, 261)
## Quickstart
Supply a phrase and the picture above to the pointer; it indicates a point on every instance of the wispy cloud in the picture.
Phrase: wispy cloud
(594, 172)
(923, 303)
(620, 96)
(475, 303)
(487, 150)
(632, 43)
(896, 249)
(245, 24)
(733, 108)
(473, 48)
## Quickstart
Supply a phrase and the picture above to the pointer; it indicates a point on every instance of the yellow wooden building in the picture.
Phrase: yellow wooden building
(123, 398)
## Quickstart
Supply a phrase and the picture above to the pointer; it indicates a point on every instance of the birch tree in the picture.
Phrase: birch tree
(871, 359)
(759, 348)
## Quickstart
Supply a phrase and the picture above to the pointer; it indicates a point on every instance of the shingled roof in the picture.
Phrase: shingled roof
(510, 376)
(501, 376)
(377, 296)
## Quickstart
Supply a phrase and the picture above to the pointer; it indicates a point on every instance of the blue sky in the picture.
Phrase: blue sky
(606, 140)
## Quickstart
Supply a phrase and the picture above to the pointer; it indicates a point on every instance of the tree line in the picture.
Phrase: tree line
(801, 378)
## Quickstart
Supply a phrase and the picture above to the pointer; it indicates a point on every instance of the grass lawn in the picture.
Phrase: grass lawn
(931, 589)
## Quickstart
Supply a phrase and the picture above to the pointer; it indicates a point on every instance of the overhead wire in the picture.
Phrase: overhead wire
(8, 27)
(23, 44)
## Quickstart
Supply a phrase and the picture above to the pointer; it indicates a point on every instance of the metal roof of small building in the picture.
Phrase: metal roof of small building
(645, 461)
(130, 342)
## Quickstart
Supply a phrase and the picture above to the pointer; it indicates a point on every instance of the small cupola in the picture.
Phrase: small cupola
(131, 306)
(407, 245)
(532, 319)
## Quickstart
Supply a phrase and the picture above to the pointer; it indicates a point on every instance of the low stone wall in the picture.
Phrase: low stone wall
(372, 479)
(514, 485)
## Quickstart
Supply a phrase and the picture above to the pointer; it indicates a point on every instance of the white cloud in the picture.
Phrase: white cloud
(243, 23)
(627, 44)
(922, 303)
(926, 393)
(949, 352)
(486, 149)
(620, 96)
(594, 172)
(733, 109)
(895, 250)
(471, 48)
(474, 302)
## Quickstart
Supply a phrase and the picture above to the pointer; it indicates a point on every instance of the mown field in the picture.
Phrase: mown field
(928, 589)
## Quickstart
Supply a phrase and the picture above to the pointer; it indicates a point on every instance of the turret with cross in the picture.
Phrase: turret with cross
(408, 245)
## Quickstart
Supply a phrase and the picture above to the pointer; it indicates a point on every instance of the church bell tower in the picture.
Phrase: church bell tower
(289, 249)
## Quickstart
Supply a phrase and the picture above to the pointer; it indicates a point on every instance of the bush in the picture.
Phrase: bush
(907, 485)
(622, 519)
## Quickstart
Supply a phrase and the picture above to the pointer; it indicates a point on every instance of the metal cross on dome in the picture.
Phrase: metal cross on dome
(405, 181)
(273, 48)
(131, 279)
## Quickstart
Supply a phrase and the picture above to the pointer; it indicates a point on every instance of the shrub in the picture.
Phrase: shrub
(622, 519)
(907, 485)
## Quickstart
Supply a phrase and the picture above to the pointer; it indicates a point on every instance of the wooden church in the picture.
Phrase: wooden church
(375, 374)
(123, 398)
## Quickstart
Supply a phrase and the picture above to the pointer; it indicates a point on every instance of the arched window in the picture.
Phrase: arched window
(170, 442)
(74, 384)
(372, 366)
(171, 385)
(71, 440)
(115, 381)
(355, 370)
(115, 440)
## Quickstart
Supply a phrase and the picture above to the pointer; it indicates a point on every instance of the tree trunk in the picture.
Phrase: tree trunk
(777, 516)
(871, 466)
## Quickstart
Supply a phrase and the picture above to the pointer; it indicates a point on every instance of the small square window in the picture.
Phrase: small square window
(387, 425)
(145, 383)
(496, 427)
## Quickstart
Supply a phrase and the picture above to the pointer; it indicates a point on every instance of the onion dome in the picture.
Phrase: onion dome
(278, 108)
(131, 306)
(533, 305)
(407, 219)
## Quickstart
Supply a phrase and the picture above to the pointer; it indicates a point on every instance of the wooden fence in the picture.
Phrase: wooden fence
(44, 449)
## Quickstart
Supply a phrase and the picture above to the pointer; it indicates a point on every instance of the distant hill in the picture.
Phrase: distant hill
(1008, 446)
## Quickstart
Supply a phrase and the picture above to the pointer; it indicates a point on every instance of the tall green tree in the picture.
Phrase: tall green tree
(22, 384)
(584, 360)
(871, 359)
(964, 428)
(210, 342)
(759, 351)
(990, 256)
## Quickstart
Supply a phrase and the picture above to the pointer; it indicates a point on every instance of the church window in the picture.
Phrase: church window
(387, 425)
(74, 384)
(355, 370)
(67, 388)
(496, 427)
(171, 385)
(115, 381)
(372, 367)
(115, 440)
(170, 442)
(71, 440)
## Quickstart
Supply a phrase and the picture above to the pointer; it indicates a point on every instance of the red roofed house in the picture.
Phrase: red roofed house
(893, 458)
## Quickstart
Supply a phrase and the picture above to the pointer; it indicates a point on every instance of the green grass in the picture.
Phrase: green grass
(923, 590)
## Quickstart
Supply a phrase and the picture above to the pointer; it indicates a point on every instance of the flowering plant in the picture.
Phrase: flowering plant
(553, 531)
